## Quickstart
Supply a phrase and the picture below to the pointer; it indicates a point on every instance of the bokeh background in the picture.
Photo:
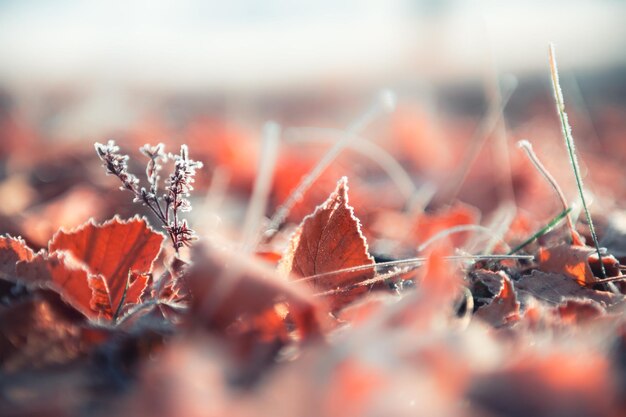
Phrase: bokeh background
(211, 73)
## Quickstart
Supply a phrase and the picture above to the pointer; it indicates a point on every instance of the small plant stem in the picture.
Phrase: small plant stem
(163, 218)
(569, 143)
(262, 186)
(118, 310)
(608, 280)
(542, 231)
(458, 229)
(528, 149)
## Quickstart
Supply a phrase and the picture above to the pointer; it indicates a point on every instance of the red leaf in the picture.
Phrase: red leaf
(575, 311)
(232, 295)
(329, 240)
(113, 250)
(100, 300)
(66, 277)
(136, 288)
(12, 250)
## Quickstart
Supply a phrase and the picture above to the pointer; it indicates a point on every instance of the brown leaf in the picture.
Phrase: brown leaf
(112, 250)
(504, 307)
(571, 261)
(555, 288)
(329, 240)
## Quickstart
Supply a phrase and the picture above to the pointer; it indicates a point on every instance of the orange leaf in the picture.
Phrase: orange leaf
(571, 261)
(241, 295)
(329, 240)
(112, 250)
(12, 250)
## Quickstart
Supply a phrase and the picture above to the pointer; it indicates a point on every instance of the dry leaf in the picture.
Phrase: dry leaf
(232, 295)
(329, 240)
(504, 308)
(571, 261)
(555, 288)
(37, 332)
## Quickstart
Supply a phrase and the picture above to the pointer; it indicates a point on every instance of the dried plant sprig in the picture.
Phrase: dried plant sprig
(569, 143)
(177, 189)
(117, 164)
(532, 156)
(156, 156)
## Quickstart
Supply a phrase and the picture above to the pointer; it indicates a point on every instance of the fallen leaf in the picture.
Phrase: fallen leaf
(37, 332)
(576, 311)
(555, 288)
(330, 240)
(12, 250)
(113, 250)
(233, 296)
(571, 261)
(62, 274)
(504, 307)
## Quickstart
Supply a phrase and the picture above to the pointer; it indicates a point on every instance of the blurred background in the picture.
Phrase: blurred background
(211, 73)
(76, 68)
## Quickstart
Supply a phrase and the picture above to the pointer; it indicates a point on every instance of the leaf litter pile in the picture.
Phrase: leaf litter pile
(356, 295)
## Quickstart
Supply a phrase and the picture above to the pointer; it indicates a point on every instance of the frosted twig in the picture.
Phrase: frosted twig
(569, 143)
(262, 185)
